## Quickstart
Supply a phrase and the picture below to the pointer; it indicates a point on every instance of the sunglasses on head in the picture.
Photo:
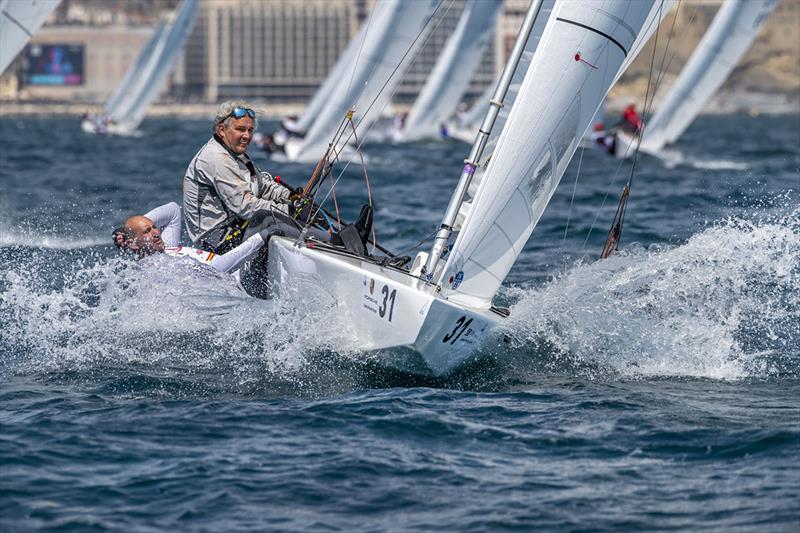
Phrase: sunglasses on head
(239, 112)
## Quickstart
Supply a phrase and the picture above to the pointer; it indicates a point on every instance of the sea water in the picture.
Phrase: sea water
(655, 390)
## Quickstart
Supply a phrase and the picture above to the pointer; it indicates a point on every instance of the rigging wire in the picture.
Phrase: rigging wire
(658, 86)
(422, 30)
(360, 48)
(335, 148)
(615, 233)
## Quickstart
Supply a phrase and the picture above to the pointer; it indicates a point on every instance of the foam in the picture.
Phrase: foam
(724, 305)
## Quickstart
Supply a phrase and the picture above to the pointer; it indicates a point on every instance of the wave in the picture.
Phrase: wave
(50, 242)
(724, 305)
(674, 158)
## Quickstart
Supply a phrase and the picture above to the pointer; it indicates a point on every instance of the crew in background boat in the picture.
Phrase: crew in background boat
(159, 231)
(602, 139)
(223, 191)
(631, 121)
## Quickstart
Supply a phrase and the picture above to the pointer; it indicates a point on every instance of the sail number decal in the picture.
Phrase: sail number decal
(461, 326)
(388, 302)
(379, 301)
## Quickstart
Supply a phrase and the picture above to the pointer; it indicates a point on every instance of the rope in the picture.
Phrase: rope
(615, 233)
(659, 82)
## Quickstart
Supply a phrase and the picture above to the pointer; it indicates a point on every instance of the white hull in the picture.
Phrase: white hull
(89, 126)
(466, 135)
(396, 316)
(625, 145)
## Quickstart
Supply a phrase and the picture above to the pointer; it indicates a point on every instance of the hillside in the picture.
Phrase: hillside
(767, 79)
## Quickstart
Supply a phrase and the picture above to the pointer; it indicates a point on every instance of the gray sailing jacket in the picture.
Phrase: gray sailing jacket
(218, 187)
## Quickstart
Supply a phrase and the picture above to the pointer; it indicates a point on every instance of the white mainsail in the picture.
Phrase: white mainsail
(130, 112)
(729, 36)
(124, 92)
(454, 68)
(581, 52)
(19, 20)
(396, 30)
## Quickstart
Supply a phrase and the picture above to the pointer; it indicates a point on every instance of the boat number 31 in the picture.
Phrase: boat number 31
(461, 326)
(387, 305)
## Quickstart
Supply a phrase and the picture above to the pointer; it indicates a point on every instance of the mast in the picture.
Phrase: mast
(471, 163)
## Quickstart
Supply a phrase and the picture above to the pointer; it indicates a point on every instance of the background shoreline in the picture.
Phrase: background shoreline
(723, 103)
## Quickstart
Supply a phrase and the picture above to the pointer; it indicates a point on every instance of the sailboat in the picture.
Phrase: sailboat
(18, 22)
(450, 77)
(729, 36)
(364, 77)
(128, 105)
(430, 318)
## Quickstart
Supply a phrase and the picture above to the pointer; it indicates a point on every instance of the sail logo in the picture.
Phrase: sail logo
(457, 279)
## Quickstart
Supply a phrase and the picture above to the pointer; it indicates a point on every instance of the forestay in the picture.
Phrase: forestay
(453, 71)
(19, 20)
(389, 44)
(583, 47)
(728, 37)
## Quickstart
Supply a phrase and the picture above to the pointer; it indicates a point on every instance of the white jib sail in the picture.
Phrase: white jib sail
(387, 50)
(19, 20)
(581, 51)
(729, 36)
(133, 75)
(164, 57)
(453, 71)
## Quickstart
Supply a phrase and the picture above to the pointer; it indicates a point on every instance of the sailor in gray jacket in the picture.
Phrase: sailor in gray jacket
(223, 191)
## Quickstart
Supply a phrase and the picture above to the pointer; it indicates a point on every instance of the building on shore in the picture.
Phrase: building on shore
(279, 51)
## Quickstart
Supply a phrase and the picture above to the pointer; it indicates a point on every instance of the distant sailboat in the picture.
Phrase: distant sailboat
(19, 20)
(726, 40)
(729, 36)
(364, 77)
(450, 77)
(128, 105)
(464, 127)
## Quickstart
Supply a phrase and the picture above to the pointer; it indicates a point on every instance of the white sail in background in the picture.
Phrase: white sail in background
(133, 76)
(581, 52)
(19, 20)
(453, 71)
(472, 118)
(468, 125)
(728, 37)
(397, 28)
(147, 83)
(339, 74)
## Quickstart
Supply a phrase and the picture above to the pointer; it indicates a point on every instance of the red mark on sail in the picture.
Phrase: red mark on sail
(579, 58)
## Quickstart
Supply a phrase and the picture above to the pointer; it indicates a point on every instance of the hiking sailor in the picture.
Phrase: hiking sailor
(159, 231)
(223, 191)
